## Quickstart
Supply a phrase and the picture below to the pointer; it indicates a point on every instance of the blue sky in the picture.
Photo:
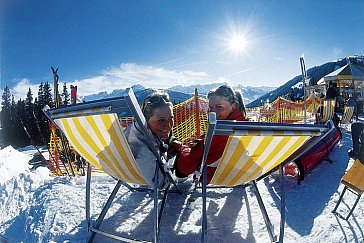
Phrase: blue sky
(104, 45)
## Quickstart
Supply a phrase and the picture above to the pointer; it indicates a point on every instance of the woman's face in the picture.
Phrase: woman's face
(221, 107)
(161, 122)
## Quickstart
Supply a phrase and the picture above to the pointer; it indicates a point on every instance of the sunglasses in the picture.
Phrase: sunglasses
(224, 91)
(155, 99)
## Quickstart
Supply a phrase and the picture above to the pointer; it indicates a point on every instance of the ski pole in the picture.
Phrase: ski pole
(32, 141)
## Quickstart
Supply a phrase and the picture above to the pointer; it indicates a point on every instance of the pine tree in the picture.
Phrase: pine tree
(65, 96)
(39, 104)
(28, 120)
(6, 127)
(47, 95)
(41, 123)
(29, 99)
(14, 134)
(19, 116)
(43, 120)
(40, 99)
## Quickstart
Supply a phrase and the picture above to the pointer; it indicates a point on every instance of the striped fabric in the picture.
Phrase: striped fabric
(328, 110)
(348, 114)
(100, 140)
(246, 158)
(81, 112)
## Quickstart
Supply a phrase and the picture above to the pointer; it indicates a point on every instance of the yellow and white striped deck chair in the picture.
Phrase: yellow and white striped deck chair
(99, 139)
(347, 115)
(253, 151)
(328, 110)
(94, 131)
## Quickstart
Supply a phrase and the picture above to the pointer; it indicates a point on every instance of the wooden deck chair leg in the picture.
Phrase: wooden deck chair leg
(353, 207)
(339, 201)
(352, 180)
(268, 224)
(340, 198)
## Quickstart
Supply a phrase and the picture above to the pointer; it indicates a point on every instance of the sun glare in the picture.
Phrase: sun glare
(237, 43)
(237, 37)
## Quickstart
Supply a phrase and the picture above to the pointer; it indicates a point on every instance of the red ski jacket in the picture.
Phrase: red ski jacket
(191, 157)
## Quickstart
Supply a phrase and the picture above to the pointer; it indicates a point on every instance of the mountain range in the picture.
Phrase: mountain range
(253, 96)
(181, 93)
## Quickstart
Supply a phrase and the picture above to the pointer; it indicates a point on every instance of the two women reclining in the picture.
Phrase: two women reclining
(158, 112)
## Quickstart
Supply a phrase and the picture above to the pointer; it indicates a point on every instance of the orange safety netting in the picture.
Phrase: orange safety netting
(286, 111)
(190, 118)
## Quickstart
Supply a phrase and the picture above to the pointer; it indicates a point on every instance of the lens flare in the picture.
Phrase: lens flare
(237, 43)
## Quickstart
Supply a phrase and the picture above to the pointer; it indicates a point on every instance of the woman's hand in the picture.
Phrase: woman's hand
(174, 147)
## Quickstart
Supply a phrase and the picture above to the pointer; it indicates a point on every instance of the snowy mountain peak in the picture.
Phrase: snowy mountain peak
(180, 93)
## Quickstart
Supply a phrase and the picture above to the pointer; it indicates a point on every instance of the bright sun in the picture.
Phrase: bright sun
(237, 43)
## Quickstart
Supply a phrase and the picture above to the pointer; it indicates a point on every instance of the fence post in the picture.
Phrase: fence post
(197, 107)
(279, 109)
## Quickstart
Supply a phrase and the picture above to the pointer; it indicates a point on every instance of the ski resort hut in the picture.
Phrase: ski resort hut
(348, 79)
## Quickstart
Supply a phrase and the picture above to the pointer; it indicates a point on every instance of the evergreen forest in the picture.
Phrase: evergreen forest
(23, 121)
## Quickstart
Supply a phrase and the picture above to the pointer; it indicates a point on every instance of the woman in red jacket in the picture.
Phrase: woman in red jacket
(228, 105)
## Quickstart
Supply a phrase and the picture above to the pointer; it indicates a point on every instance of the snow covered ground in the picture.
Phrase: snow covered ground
(36, 207)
